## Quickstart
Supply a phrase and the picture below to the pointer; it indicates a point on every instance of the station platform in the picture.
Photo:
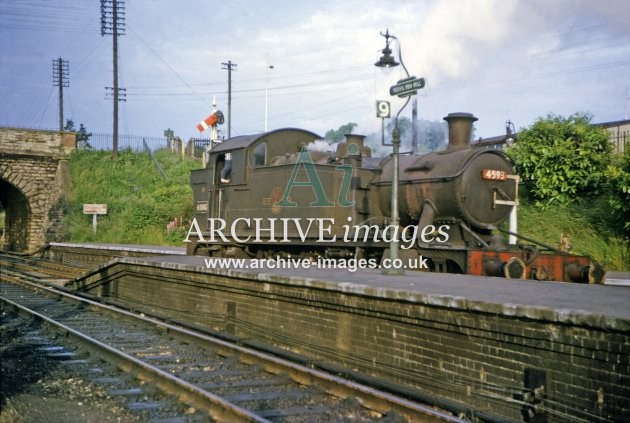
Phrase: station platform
(136, 248)
(484, 342)
(90, 255)
(559, 301)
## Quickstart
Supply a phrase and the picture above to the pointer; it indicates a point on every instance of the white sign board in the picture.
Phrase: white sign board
(95, 209)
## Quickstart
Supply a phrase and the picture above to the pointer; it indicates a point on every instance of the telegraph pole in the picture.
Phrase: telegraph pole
(113, 23)
(60, 79)
(229, 66)
(414, 126)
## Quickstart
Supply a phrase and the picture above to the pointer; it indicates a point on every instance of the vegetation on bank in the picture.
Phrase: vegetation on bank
(574, 181)
(141, 201)
(587, 224)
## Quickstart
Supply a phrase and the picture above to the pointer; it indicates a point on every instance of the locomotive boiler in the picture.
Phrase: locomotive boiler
(279, 194)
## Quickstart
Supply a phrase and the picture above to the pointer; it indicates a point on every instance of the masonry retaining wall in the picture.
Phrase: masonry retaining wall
(33, 175)
(489, 356)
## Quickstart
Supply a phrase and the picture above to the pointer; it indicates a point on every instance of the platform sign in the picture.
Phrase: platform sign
(407, 87)
(94, 210)
(383, 109)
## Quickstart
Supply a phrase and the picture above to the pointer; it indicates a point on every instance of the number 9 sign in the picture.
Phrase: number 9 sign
(382, 109)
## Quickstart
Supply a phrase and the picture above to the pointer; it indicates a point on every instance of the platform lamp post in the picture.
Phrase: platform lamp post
(403, 88)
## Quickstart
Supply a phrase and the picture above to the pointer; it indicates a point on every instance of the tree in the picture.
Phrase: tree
(82, 134)
(618, 175)
(560, 159)
(374, 140)
(404, 126)
(340, 134)
(432, 135)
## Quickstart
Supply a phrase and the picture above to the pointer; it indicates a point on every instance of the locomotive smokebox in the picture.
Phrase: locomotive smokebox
(461, 182)
(459, 130)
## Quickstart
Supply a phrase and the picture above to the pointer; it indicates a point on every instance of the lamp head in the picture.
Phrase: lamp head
(387, 60)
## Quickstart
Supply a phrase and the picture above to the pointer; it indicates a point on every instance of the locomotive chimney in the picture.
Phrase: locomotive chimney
(355, 139)
(459, 130)
(353, 149)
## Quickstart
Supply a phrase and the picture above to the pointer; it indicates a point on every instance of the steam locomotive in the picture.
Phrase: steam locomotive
(277, 194)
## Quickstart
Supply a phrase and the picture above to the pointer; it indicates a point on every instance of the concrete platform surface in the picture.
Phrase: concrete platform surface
(601, 305)
(140, 248)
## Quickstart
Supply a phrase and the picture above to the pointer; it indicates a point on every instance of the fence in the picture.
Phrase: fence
(104, 141)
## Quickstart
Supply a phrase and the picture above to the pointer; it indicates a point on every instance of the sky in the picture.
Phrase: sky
(501, 60)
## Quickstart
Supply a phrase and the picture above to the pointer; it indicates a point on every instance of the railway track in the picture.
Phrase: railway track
(221, 380)
(42, 269)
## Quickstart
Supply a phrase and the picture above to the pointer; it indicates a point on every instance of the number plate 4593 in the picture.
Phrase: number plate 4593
(494, 174)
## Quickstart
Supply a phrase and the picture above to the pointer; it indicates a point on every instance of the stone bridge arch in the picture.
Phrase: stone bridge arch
(33, 174)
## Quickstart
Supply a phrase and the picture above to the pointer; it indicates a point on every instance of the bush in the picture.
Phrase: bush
(561, 159)
(587, 225)
(618, 174)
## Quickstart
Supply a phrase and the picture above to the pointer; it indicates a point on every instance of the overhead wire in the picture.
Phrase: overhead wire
(272, 89)
(276, 91)
(168, 66)
(43, 16)
(72, 115)
(44, 109)
(58, 19)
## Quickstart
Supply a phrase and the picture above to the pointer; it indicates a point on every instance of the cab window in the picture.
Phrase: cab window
(222, 169)
(259, 158)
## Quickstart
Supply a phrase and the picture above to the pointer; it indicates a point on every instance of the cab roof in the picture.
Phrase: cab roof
(277, 135)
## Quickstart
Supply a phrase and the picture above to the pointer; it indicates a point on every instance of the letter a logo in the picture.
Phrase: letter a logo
(313, 182)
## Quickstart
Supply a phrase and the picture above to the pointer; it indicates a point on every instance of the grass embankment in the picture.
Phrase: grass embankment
(587, 226)
(141, 203)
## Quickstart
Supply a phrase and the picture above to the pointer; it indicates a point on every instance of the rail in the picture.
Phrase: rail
(228, 381)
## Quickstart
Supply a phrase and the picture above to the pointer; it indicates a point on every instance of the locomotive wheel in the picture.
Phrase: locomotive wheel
(514, 268)
(540, 273)
(196, 249)
(201, 250)
(233, 251)
(596, 274)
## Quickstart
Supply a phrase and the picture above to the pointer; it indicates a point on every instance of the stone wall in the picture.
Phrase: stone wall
(36, 142)
(33, 175)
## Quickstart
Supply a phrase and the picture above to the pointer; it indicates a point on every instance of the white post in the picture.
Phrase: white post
(94, 210)
(513, 224)
(214, 132)
(512, 240)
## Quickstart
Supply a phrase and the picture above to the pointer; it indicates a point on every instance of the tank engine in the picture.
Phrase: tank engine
(274, 194)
